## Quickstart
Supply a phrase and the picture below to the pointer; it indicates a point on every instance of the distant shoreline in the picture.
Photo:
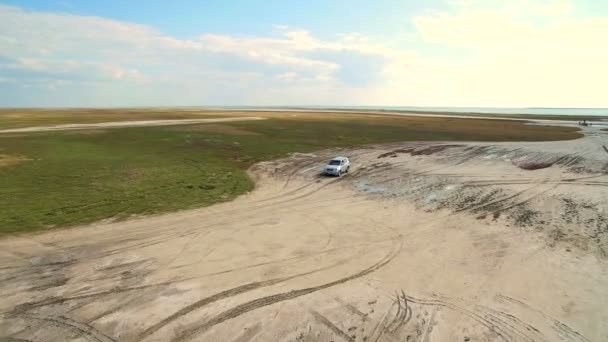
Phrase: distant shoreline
(448, 114)
(560, 114)
(419, 109)
(535, 111)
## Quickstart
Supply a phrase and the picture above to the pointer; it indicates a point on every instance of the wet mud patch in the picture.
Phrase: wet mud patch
(519, 202)
(523, 216)
(531, 165)
(418, 150)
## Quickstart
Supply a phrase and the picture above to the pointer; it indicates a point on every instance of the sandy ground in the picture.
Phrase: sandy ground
(419, 242)
(118, 124)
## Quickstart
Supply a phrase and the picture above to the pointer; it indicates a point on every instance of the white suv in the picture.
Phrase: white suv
(337, 166)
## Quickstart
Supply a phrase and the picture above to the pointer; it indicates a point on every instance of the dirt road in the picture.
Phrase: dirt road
(420, 242)
(118, 124)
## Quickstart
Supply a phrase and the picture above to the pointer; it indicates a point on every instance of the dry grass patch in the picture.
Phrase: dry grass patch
(85, 131)
(8, 160)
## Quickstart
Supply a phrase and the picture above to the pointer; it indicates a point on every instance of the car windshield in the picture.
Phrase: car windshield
(334, 162)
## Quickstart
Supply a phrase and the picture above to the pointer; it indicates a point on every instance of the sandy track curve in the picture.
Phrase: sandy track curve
(121, 124)
(420, 242)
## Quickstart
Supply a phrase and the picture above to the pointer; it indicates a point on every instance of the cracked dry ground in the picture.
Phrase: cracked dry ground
(419, 242)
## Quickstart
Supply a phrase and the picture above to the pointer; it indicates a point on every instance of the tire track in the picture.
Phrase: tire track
(566, 182)
(61, 300)
(352, 309)
(261, 302)
(404, 313)
(113, 309)
(331, 326)
(22, 308)
(299, 166)
(335, 249)
(569, 161)
(227, 294)
(80, 328)
(507, 325)
(251, 212)
(500, 331)
(380, 327)
(539, 182)
(569, 332)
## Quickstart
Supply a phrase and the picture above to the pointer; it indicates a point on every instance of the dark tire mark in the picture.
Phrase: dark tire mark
(339, 248)
(504, 335)
(404, 313)
(507, 326)
(286, 193)
(564, 161)
(80, 328)
(327, 323)
(273, 299)
(22, 308)
(156, 241)
(112, 310)
(226, 294)
(476, 206)
(352, 309)
(129, 265)
(380, 327)
(297, 167)
(564, 182)
(569, 160)
(564, 329)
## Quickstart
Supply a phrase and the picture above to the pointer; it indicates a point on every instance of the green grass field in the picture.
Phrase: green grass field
(59, 179)
(17, 118)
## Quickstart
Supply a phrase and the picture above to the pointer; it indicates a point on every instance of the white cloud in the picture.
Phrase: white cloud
(41, 49)
(287, 76)
(556, 9)
(491, 53)
(516, 61)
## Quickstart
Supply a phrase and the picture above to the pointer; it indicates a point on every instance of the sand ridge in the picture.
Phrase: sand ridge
(118, 124)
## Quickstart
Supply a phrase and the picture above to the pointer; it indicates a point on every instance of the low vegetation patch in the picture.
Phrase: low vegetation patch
(414, 151)
(73, 179)
(216, 128)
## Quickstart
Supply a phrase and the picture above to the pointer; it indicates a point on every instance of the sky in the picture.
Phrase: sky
(458, 53)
